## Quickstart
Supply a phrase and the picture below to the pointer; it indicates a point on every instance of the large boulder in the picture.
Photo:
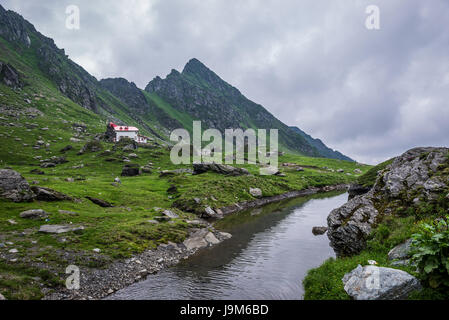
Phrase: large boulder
(201, 239)
(350, 225)
(47, 194)
(195, 243)
(401, 252)
(199, 168)
(378, 283)
(14, 187)
(34, 214)
(413, 175)
(10, 76)
(131, 170)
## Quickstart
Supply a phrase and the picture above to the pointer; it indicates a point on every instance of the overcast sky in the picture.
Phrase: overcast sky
(371, 94)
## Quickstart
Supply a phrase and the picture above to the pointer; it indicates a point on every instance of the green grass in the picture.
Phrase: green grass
(369, 178)
(123, 230)
(183, 118)
(20, 282)
(325, 282)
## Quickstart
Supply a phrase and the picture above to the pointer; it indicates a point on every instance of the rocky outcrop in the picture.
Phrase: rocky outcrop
(47, 194)
(14, 28)
(378, 283)
(127, 92)
(410, 178)
(351, 224)
(199, 168)
(131, 170)
(10, 76)
(14, 187)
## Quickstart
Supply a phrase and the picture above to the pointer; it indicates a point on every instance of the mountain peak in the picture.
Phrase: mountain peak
(194, 65)
(198, 69)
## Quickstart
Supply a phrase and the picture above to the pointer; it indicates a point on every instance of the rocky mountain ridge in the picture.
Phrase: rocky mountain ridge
(321, 147)
(166, 104)
(203, 95)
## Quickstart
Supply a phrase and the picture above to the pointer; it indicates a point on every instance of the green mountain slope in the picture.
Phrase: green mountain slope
(47, 68)
(48, 116)
(166, 104)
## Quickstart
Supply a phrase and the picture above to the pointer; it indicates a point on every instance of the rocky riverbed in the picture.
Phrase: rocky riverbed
(98, 283)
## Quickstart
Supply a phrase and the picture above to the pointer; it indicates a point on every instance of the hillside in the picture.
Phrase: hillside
(112, 202)
(45, 68)
(166, 104)
(324, 150)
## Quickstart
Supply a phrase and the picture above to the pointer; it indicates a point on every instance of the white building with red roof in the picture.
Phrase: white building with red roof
(118, 132)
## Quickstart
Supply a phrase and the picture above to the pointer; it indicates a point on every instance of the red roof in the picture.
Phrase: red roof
(122, 128)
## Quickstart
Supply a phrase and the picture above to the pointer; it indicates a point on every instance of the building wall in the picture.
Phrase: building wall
(129, 134)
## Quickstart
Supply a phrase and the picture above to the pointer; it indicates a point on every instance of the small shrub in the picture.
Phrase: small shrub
(431, 252)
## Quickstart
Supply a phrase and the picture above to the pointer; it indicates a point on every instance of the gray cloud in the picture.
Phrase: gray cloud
(369, 94)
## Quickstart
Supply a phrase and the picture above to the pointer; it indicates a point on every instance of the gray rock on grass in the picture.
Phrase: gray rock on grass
(14, 187)
(58, 229)
(255, 192)
(34, 214)
(170, 214)
(401, 252)
(379, 283)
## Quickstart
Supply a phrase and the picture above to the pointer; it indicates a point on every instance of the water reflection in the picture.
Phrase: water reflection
(269, 254)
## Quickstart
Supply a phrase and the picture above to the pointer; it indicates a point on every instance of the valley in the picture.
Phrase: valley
(87, 183)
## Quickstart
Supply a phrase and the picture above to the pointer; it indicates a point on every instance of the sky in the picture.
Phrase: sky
(369, 93)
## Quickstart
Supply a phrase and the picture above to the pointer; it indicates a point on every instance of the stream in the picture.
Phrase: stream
(268, 256)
